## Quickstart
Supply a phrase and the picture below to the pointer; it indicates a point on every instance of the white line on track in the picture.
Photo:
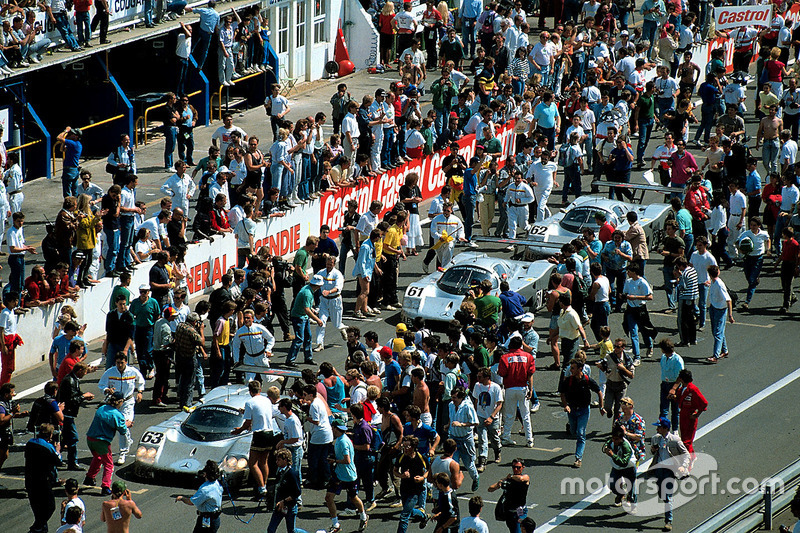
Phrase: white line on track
(724, 418)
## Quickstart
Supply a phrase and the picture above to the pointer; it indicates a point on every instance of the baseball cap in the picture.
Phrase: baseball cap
(144, 287)
(453, 114)
(380, 92)
(624, 32)
(400, 328)
(527, 317)
(192, 317)
(169, 312)
(77, 132)
(385, 351)
(339, 424)
(317, 280)
(663, 422)
(116, 396)
(223, 170)
(118, 487)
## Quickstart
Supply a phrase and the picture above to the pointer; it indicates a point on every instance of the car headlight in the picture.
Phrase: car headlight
(234, 464)
(146, 454)
(241, 463)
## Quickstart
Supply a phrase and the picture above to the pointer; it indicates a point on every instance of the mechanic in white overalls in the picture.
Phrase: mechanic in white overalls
(252, 344)
(330, 302)
(454, 228)
(518, 196)
(128, 381)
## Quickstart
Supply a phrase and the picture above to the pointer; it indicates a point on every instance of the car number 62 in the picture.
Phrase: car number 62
(538, 230)
(152, 437)
(414, 291)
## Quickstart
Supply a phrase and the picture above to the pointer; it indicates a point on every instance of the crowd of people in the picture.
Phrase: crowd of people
(424, 407)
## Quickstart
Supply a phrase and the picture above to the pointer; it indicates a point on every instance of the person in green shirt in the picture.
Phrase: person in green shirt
(480, 354)
(122, 288)
(487, 306)
(146, 311)
(301, 264)
(647, 119)
(302, 312)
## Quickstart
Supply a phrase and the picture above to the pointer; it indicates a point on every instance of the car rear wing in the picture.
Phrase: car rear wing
(267, 371)
(555, 246)
(635, 187)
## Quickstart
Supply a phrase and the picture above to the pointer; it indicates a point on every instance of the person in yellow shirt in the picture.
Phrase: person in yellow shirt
(392, 251)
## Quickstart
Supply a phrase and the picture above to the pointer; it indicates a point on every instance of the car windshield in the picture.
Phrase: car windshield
(457, 280)
(576, 219)
(211, 423)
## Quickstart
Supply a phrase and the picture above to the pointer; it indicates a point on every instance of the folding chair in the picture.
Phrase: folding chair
(287, 84)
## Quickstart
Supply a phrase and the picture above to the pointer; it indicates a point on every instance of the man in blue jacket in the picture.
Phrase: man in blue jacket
(41, 460)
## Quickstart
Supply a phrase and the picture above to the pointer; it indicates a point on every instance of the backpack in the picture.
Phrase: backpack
(488, 24)
(562, 155)
(460, 381)
(583, 286)
(40, 413)
(623, 5)
(377, 441)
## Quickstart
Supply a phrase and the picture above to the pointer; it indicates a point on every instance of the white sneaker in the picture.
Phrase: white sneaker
(7, 70)
(348, 512)
(24, 64)
(510, 248)
(121, 458)
(535, 407)
(33, 60)
(171, 169)
(343, 332)
(319, 348)
(236, 75)
(508, 442)
(472, 244)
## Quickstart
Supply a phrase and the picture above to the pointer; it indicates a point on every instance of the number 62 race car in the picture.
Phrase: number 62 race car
(437, 296)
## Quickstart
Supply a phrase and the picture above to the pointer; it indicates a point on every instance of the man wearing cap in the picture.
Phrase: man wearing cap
(252, 344)
(302, 312)
(145, 311)
(128, 381)
(186, 342)
(71, 139)
(518, 196)
(345, 477)
(671, 460)
(119, 330)
(220, 186)
(330, 305)
(117, 510)
(108, 420)
(162, 355)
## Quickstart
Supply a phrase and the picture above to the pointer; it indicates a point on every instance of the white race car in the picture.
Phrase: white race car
(437, 296)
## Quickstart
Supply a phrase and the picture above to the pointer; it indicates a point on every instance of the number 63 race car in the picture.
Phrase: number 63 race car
(437, 296)
(181, 445)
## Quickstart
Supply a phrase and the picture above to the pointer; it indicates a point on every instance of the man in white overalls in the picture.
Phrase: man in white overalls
(330, 302)
(128, 381)
(252, 344)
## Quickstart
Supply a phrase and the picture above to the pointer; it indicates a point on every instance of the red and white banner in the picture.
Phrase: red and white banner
(736, 16)
(386, 187)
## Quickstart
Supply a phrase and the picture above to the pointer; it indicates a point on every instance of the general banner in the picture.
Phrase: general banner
(735, 16)
(386, 187)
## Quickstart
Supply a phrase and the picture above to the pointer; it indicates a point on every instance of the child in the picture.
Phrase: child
(71, 489)
(429, 135)
(446, 511)
(606, 347)
(474, 520)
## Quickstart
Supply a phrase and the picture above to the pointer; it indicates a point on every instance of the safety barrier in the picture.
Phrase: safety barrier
(84, 128)
(142, 121)
(218, 94)
(21, 146)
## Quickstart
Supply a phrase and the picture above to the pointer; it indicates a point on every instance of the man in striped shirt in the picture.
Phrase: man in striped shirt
(688, 293)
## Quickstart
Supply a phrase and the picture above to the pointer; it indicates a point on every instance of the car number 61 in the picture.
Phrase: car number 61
(414, 291)
(152, 437)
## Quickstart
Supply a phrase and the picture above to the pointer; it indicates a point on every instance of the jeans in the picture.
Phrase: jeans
(718, 319)
(633, 331)
(572, 181)
(186, 145)
(125, 241)
(550, 133)
(63, 27)
(199, 380)
(663, 105)
(148, 12)
(666, 486)
(365, 466)
(291, 517)
(16, 263)
(413, 506)
(645, 129)
(669, 286)
(69, 439)
(752, 271)
(649, 28)
(579, 68)
(83, 26)
(144, 348)
(666, 405)
(616, 279)
(488, 435)
(578, 420)
(388, 145)
(623, 19)
(225, 65)
(69, 182)
(622, 482)
(769, 154)
(302, 332)
(113, 350)
(588, 149)
(183, 71)
(469, 214)
(304, 189)
(702, 305)
(318, 471)
(706, 122)
(171, 136)
(112, 239)
(200, 49)
(184, 377)
(465, 453)
(468, 35)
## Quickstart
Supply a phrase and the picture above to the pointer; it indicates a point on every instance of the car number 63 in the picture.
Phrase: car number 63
(152, 437)
(414, 291)
(538, 230)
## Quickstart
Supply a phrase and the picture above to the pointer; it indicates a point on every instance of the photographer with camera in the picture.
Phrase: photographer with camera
(513, 504)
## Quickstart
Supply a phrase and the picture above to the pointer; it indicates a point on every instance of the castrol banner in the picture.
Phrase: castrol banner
(736, 16)
(793, 14)
(386, 186)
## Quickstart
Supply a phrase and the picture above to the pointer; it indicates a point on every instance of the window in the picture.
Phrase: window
(300, 35)
(320, 10)
(283, 29)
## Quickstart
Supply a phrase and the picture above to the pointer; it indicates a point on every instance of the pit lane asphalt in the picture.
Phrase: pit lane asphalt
(756, 443)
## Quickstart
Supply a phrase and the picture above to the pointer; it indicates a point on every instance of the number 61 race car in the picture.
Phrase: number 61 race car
(437, 296)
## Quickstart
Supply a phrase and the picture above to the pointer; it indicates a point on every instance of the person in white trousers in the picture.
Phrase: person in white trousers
(330, 302)
(518, 196)
(450, 223)
(542, 176)
(129, 381)
(252, 344)
(516, 368)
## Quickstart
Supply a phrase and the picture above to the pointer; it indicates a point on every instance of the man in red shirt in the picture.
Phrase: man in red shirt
(697, 204)
(606, 229)
(789, 260)
(76, 355)
(516, 368)
(37, 288)
(691, 403)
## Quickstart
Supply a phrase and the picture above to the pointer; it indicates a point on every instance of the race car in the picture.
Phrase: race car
(180, 446)
(545, 238)
(437, 296)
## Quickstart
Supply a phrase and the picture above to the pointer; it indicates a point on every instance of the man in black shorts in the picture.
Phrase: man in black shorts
(258, 417)
(344, 477)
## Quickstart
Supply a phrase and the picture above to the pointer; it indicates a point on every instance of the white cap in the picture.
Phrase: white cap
(527, 317)
(223, 170)
(317, 280)
(623, 32)
(144, 287)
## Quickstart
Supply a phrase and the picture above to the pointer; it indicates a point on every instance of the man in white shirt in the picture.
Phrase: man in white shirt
(276, 106)
(542, 176)
(701, 259)
(626, 63)
(13, 178)
(350, 131)
(330, 302)
(127, 214)
(180, 186)
(542, 56)
(737, 213)
(258, 413)
(320, 436)
(518, 196)
(222, 135)
(788, 152)
(252, 344)
(446, 222)
(220, 186)
(158, 230)
(128, 381)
